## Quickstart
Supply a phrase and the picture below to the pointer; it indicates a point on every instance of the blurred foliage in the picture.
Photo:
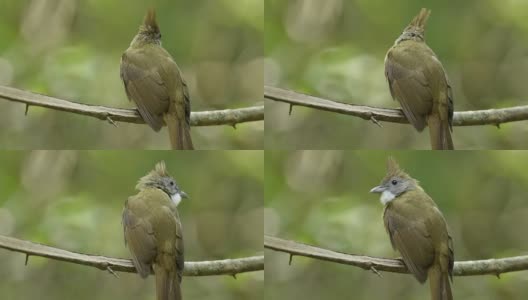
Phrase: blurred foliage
(322, 198)
(335, 49)
(71, 49)
(73, 200)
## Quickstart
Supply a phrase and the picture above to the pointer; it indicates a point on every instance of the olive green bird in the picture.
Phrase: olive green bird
(418, 230)
(418, 81)
(153, 232)
(154, 82)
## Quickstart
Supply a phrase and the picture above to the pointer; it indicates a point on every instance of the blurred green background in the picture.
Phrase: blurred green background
(73, 200)
(322, 198)
(335, 49)
(71, 49)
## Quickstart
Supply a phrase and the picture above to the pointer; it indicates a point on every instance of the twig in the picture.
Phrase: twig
(202, 268)
(203, 118)
(493, 117)
(462, 268)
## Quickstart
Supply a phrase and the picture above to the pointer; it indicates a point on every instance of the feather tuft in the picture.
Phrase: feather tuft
(394, 170)
(419, 21)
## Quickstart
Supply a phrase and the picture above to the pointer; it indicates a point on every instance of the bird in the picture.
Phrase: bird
(155, 84)
(418, 81)
(418, 230)
(153, 231)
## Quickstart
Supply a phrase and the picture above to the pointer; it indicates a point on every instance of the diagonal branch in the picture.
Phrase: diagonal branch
(203, 118)
(202, 268)
(462, 118)
(462, 268)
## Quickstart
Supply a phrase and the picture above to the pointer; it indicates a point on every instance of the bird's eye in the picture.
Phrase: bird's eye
(394, 182)
(171, 183)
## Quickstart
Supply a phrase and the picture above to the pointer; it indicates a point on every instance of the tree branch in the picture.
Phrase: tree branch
(462, 268)
(202, 268)
(203, 118)
(462, 118)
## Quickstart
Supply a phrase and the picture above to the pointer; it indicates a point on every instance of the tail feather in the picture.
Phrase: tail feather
(439, 285)
(179, 133)
(439, 133)
(167, 285)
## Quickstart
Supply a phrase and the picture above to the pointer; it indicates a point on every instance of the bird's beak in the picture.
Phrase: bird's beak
(377, 189)
(184, 195)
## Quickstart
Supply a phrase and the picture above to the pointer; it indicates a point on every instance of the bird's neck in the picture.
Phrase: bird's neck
(141, 40)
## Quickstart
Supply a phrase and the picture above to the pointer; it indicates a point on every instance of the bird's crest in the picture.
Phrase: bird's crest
(394, 170)
(149, 23)
(153, 176)
(161, 169)
(419, 21)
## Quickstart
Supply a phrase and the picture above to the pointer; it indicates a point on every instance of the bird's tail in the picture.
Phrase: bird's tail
(439, 284)
(179, 132)
(167, 285)
(439, 133)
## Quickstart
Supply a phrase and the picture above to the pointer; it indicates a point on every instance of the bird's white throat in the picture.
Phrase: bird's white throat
(176, 198)
(387, 197)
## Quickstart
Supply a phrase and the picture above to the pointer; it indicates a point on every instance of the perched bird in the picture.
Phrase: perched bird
(154, 82)
(153, 232)
(418, 81)
(418, 230)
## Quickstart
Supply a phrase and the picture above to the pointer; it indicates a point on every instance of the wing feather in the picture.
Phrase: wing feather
(139, 238)
(412, 241)
(144, 86)
(409, 87)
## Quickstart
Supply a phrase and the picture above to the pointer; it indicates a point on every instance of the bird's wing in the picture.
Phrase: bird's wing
(442, 88)
(179, 112)
(413, 242)
(451, 105)
(451, 258)
(139, 237)
(187, 101)
(179, 96)
(166, 226)
(145, 86)
(408, 85)
(179, 247)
